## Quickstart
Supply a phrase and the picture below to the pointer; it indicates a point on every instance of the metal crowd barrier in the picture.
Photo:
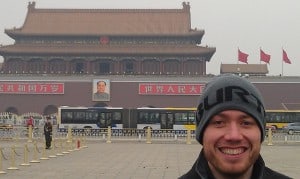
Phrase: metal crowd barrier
(129, 132)
(16, 153)
(20, 132)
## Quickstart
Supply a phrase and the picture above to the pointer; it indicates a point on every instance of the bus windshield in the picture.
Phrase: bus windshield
(280, 118)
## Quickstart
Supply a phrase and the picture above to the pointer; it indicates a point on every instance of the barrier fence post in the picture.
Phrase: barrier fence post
(285, 139)
(188, 137)
(65, 150)
(70, 146)
(44, 155)
(270, 137)
(35, 154)
(12, 159)
(1, 157)
(69, 135)
(52, 149)
(26, 163)
(84, 142)
(29, 133)
(60, 150)
(17, 138)
(148, 141)
(108, 135)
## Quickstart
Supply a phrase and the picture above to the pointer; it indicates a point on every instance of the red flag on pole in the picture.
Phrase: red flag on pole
(242, 57)
(264, 57)
(285, 58)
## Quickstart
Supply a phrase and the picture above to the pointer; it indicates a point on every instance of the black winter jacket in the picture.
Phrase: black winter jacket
(200, 170)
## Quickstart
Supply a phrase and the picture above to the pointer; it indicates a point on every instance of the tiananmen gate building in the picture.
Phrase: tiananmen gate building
(146, 57)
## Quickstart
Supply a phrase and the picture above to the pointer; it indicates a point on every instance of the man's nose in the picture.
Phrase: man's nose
(233, 132)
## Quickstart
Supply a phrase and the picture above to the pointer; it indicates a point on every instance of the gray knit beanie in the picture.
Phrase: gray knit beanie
(229, 92)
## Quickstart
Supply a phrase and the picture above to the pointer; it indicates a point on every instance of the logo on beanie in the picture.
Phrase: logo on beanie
(228, 94)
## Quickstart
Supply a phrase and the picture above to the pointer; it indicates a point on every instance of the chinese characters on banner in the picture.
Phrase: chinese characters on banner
(31, 88)
(170, 89)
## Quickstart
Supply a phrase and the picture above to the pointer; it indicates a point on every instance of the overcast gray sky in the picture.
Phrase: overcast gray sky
(228, 24)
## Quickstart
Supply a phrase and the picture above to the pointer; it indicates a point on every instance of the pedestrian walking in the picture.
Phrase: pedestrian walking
(48, 132)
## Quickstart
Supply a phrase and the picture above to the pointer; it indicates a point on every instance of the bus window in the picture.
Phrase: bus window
(170, 121)
(79, 117)
(91, 117)
(192, 118)
(102, 120)
(116, 118)
(142, 117)
(163, 119)
(108, 119)
(66, 117)
(181, 118)
(297, 117)
(153, 118)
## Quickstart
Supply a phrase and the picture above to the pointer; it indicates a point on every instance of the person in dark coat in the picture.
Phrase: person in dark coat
(231, 126)
(48, 132)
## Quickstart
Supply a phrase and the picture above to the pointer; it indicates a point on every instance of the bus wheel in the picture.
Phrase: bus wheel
(290, 132)
(146, 127)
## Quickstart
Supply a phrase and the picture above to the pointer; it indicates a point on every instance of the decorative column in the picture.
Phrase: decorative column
(89, 69)
(67, 63)
(46, 70)
(161, 66)
(140, 69)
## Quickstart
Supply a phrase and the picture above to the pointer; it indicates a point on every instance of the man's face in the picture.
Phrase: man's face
(101, 87)
(231, 143)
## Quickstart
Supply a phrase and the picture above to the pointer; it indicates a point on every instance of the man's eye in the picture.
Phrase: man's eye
(247, 123)
(218, 123)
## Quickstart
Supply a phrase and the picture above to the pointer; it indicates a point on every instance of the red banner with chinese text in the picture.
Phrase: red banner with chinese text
(31, 88)
(170, 89)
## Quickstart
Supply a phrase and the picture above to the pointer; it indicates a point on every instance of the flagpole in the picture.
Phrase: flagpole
(282, 67)
(282, 63)
(259, 55)
(237, 62)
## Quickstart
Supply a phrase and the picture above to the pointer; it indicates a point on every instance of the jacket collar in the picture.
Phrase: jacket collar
(203, 170)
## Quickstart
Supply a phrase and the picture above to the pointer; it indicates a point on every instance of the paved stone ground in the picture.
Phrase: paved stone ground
(133, 160)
